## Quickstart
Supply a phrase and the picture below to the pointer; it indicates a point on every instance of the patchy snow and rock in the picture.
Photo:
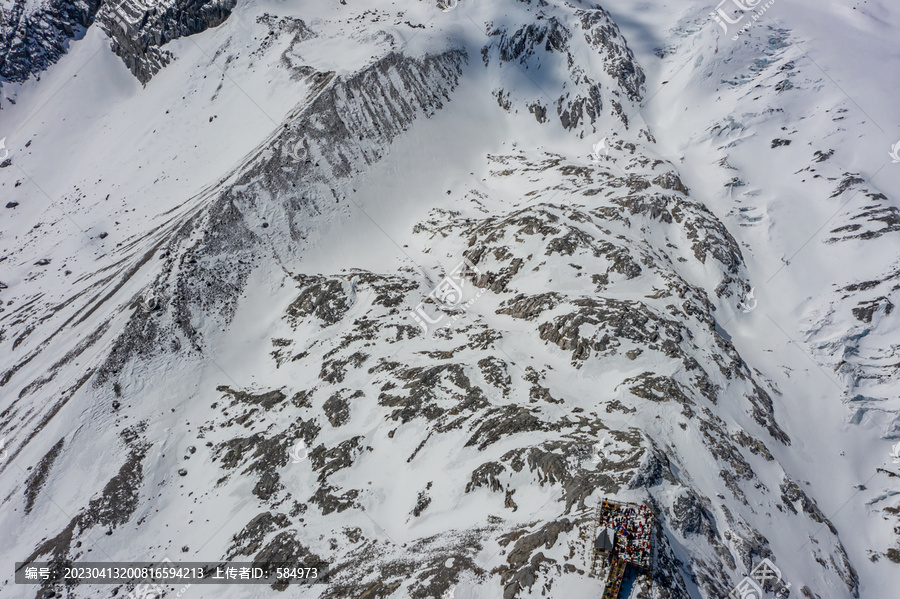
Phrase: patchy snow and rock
(351, 282)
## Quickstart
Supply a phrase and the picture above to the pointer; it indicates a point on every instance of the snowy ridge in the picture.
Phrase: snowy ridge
(210, 255)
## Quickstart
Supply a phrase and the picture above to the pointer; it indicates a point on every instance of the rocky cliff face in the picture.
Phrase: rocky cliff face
(33, 38)
(139, 30)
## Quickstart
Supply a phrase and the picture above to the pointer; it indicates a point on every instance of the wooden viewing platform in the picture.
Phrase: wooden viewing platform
(623, 535)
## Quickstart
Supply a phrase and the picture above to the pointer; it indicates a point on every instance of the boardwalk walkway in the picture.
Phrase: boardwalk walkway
(614, 580)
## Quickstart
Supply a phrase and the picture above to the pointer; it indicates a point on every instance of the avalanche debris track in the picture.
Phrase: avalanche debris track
(162, 396)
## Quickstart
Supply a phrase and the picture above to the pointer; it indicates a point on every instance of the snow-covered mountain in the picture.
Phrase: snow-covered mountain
(408, 287)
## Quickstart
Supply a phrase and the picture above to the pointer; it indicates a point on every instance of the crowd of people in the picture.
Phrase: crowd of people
(632, 525)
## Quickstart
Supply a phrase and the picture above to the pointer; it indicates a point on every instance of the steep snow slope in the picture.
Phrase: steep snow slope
(242, 263)
(816, 225)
